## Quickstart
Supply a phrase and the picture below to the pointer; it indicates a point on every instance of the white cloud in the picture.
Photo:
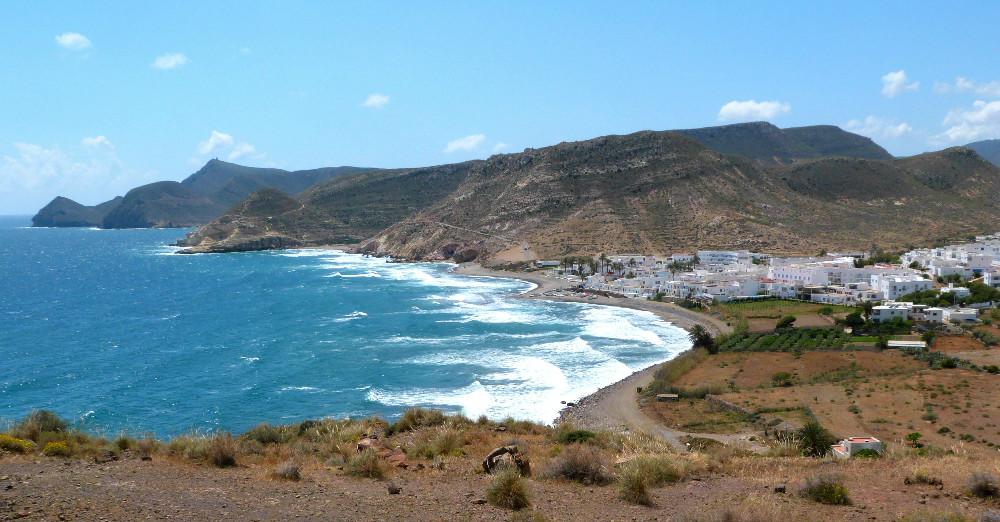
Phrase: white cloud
(218, 140)
(979, 123)
(243, 149)
(376, 100)
(875, 127)
(752, 110)
(988, 89)
(467, 143)
(894, 83)
(499, 146)
(74, 41)
(170, 61)
(97, 143)
(35, 174)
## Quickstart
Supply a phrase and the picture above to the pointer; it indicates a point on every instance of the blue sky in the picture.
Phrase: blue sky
(97, 98)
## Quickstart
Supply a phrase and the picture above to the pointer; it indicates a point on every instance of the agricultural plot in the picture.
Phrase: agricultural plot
(787, 341)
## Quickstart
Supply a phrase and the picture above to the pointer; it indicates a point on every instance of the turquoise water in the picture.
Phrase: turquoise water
(113, 330)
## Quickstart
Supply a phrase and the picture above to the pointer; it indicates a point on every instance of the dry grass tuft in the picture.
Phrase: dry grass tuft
(287, 470)
(508, 490)
(222, 451)
(581, 463)
(633, 486)
(367, 464)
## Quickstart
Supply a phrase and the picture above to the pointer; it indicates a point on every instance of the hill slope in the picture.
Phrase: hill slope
(228, 183)
(662, 191)
(767, 144)
(163, 204)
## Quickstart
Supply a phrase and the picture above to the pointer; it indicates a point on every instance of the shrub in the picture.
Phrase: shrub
(265, 434)
(287, 470)
(983, 485)
(782, 379)
(416, 417)
(222, 451)
(38, 422)
(657, 470)
(572, 436)
(15, 445)
(633, 487)
(866, 453)
(56, 449)
(448, 442)
(367, 464)
(508, 490)
(826, 489)
(581, 463)
(147, 446)
(123, 442)
(785, 322)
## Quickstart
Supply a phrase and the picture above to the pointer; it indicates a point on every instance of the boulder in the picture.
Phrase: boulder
(507, 457)
(397, 458)
(372, 442)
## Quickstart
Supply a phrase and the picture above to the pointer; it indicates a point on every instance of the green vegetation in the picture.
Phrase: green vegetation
(985, 337)
(782, 378)
(814, 439)
(984, 485)
(785, 322)
(508, 490)
(701, 338)
(633, 487)
(826, 489)
(573, 436)
(582, 463)
(978, 293)
(787, 341)
(367, 464)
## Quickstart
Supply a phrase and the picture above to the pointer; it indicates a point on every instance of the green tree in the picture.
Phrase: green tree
(928, 337)
(854, 320)
(866, 310)
(785, 322)
(814, 439)
(882, 343)
(701, 338)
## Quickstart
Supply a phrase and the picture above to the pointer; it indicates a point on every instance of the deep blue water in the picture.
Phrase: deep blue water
(109, 328)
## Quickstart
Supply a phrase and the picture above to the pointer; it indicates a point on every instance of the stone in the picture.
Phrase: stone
(479, 501)
(398, 458)
(393, 488)
(507, 457)
(372, 442)
(780, 488)
(146, 458)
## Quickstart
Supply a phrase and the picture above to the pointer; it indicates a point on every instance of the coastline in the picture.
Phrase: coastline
(612, 407)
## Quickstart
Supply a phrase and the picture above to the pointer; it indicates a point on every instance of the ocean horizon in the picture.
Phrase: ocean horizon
(111, 329)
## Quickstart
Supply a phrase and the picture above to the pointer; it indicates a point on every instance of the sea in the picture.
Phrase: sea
(114, 331)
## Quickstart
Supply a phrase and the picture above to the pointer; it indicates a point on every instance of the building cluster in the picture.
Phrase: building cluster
(833, 279)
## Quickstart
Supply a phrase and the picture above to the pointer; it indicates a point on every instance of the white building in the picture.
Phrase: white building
(965, 315)
(848, 447)
(992, 279)
(890, 311)
(894, 287)
(725, 257)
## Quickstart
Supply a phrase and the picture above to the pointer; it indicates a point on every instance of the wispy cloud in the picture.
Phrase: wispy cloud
(241, 150)
(467, 143)
(170, 61)
(376, 100)
(97, 142)
(499, 146)
(875, 127)
(961, 85)
(218, 140)
(752, 110)
(980, 122)
(895, 83)
(73, 41)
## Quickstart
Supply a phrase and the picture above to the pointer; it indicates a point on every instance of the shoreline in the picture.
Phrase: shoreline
(612, 407)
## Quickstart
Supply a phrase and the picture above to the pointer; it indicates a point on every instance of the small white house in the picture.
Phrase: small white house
(965, 315)
(848, 447)
(957, 291)
(890, 311)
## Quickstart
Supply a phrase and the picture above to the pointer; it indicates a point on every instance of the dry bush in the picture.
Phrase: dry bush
(581, 463)
(222, 451)
(983, 485)
(658, 471)
(508, 490)
(287, 470)
(124, 442)
(826, 488)
(147, 446)
(367, 464)
(38, 422)
(414, 418)
(448, 442)
(753, 508)
(633, 486)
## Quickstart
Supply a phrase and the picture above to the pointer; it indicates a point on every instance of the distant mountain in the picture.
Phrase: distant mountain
(988, 149)
(644, 192)
(347, 209)
(164, 204)
(220, 185)
(765, 143)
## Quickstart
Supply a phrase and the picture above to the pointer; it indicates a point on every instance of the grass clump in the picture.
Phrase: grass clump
(287, 470)
(56, 449)
(222, 451)
(944, 516)
(658, 471)
(124, 442)
(826, 489)
(14, 444)
(508, 490)
(265, 434)
(983, 485)
(575, 436)
(448, 442)
(416, 417)
(580, 463)
(39, 422)
(366, 464)
(633, 486)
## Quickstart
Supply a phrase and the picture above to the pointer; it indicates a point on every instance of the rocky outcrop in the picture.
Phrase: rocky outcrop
(64, 212)
(507, 457)
(165, 204)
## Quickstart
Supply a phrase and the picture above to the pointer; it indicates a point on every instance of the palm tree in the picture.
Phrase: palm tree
(866, 309)
(701, 338)
(604, 261)
(814, 440)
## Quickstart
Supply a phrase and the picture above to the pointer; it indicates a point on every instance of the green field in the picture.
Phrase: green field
(782, 306)
(787, 341)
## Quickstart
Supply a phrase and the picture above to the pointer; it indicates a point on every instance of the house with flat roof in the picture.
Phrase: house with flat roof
(846, 448)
